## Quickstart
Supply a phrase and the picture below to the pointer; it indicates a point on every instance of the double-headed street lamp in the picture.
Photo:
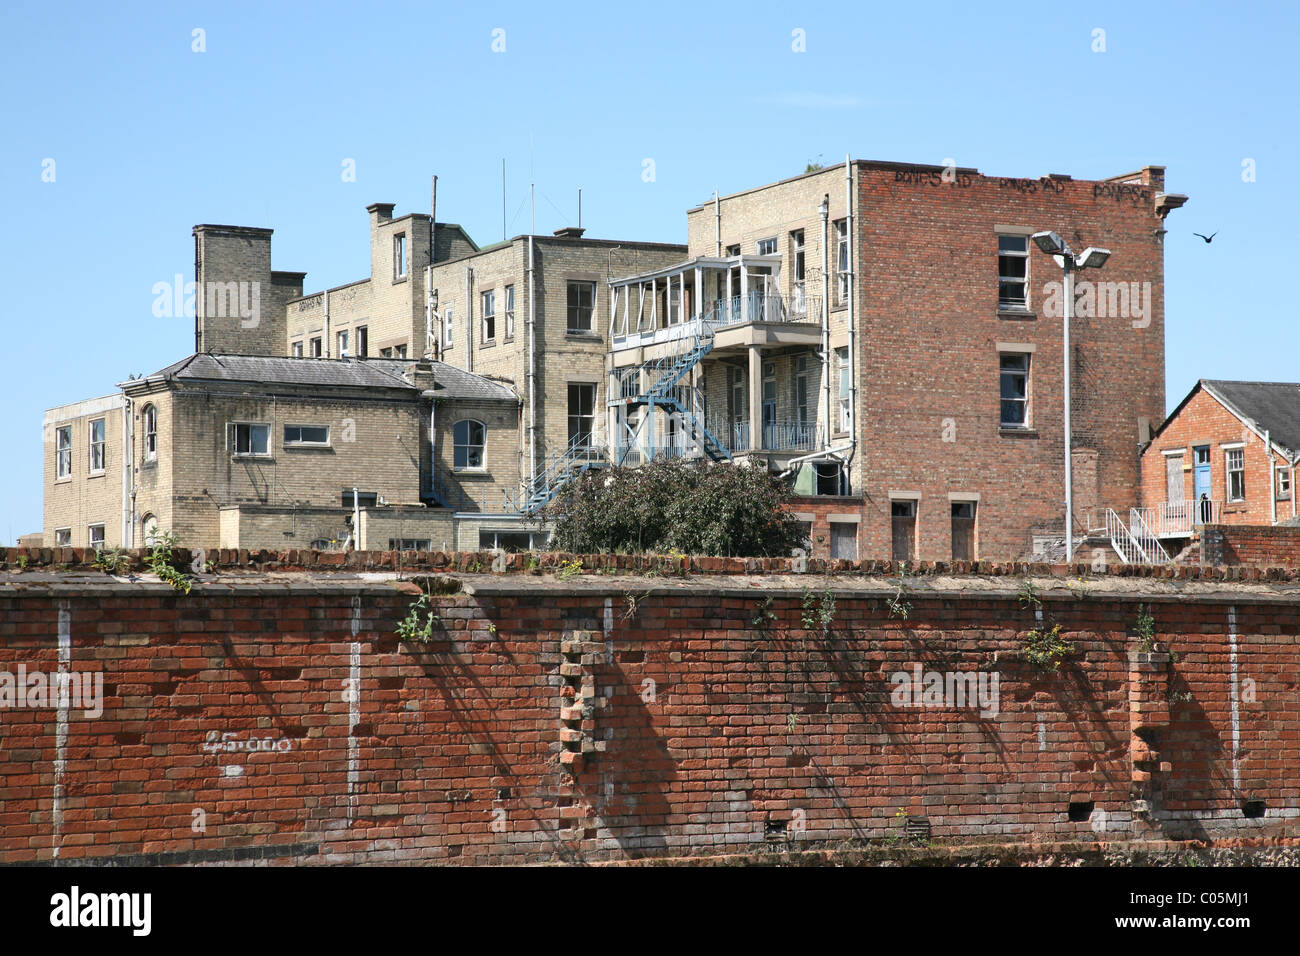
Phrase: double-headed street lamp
(1090, 258)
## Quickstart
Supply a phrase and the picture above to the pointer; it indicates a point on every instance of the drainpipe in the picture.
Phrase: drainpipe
(1272, 479)
(825, 210)
(853, 352)
(429, 394)
(128, 459)
(532, 348)
(469, 321)
(356, 520)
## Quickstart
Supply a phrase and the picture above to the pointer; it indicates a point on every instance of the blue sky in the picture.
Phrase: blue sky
(149, 137)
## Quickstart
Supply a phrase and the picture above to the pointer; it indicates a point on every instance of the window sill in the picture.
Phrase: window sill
(1022, 315)
(96, 474)
(63, 481)
(302, 446)
(582, 334)
(471, 472)
(1016, 431)
(490, 343)
(238, 457)
(399, 280)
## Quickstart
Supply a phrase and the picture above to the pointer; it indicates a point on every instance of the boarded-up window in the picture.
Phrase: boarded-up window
(903, 516)
(963, 531)
(844, 540)
(1174, 492)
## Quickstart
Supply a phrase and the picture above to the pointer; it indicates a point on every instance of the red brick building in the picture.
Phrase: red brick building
(1226, 455)
(900, 339)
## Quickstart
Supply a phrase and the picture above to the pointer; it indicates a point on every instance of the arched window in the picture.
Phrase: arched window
(150, 433)
(469, 437)
(149, 524)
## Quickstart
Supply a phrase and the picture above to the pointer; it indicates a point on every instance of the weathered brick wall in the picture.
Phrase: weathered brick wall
(1263, 546)
(608, 716)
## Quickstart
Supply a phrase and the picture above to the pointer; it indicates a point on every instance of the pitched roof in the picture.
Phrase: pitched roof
(1272, 407)
(449, 381)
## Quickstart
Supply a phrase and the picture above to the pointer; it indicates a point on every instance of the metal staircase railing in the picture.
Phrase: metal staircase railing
(1136, 544)
(579, 456)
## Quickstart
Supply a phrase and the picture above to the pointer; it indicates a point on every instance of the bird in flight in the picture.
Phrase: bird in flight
(1209, 238)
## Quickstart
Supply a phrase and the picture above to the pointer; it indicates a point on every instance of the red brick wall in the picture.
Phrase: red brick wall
(713, 720)
(929, 328)
(1203, 421)
(1261, 547)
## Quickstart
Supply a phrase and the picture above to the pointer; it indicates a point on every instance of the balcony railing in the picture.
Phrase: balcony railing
(1174, 519)
(760, 306)
(777, 436)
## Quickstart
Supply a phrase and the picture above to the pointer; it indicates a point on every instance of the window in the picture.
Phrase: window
(832, 478)
(797, 268)
(766, 247)
(1283, 482)
(149, 525)
(315, 347)
(842, 261)
(386, 353)
(1174, 482)
(733, 251)
(582, 413)
(903, 527)
(1015, 391)
(447, 327)
(1236, 474)
(306, 435)
(489, 316)
(846, 389)
(510, 312)
(801, 389)
(409, 544)
(468, 438)
(297, 350)
(399, 256)
(63, 452)
(343, 344)
(963, 531)
(582, 298)
(251, 439)
(97, 446)
(150, 433)
(844, 540)
(510, 540)
(63, 537)
(400, 351)
(1013, 272)
(363, 341)
(359, 499)
(96, 535)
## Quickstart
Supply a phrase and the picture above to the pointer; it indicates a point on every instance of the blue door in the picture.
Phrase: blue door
(1201, 484)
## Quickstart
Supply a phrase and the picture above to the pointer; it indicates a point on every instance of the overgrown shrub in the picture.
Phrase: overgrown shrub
(667, 505)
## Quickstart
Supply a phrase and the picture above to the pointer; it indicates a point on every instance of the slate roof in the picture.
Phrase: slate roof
(450, 382)
(1272, 407)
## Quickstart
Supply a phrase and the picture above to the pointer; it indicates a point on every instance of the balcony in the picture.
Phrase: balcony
(1177, 519)
(777, 436)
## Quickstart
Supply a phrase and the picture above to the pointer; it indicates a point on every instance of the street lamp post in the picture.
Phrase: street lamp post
(1090, 258)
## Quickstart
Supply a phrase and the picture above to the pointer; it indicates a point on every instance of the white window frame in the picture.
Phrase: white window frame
(457, 445)
(62, 452)
(399, 256)
(1283, 481)
(1025, 402)
(488, 315)
(758, 246)
(65, 533)
(844, 372)
(510, 311)
(448, 327)
(1228, 470)
(317, 346)
(362, 341)
(233, 433)
(297, 350)
(344, 342)
(300, 443)
(150, 418)
(90, 536)
(841, 261)
(1023, 304)
(99, 448)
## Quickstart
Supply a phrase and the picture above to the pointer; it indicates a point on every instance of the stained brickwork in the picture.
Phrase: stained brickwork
(284, 719)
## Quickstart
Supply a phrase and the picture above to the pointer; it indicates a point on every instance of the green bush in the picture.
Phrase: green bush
(674, 505)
